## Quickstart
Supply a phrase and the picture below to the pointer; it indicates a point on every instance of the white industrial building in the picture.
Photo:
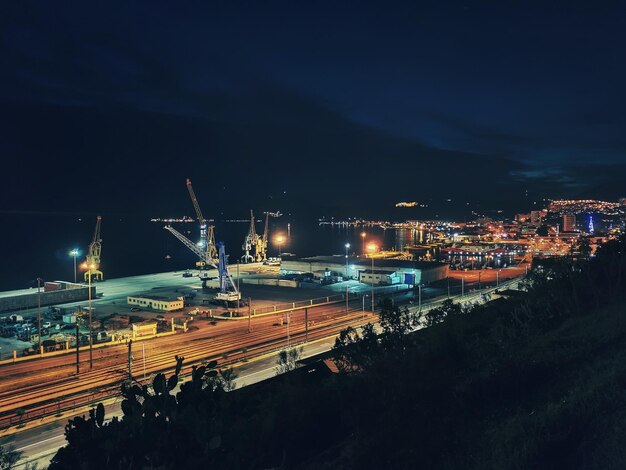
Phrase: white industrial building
(386, 271)
(376, 277)
(164, 304)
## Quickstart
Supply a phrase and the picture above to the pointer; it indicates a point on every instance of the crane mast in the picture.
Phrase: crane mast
(263, 241)
(92, 261)
(250, 243)
(228, 290)
(207, 236)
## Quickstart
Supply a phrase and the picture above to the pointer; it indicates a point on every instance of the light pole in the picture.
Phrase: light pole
(279, 241)
(89, 268)
(363, 242)
(74, 253)
(347, 245)
(39, 312)
(372, 248)
(419, 298)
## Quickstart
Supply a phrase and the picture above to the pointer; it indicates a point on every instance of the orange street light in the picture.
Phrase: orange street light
(279, 241)
(372, 247)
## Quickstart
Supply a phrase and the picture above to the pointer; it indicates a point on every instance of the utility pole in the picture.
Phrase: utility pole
(306, 324)
(462, 287)
(77, 347)
(130, 361)
(498, 278)
(363, 299)
(238, 288)
(143, 354)
(419, 298)
(39, 311)
(249, 315)
(479, 287)
(347, 292)
(372, 282)
(90, 335)
(288, 322)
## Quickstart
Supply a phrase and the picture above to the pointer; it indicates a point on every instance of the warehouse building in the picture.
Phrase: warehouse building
(386, 271)
(164, 304)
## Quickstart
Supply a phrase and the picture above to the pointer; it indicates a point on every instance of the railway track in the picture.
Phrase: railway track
(54, 396)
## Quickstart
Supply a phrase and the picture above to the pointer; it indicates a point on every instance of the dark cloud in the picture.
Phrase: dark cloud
(425, 98)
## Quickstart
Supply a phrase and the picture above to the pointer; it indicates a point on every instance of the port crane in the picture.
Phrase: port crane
(207, 232)
(92, 261)
(228, 290)
(204, 255)
(205, 259)
(255, 246)
(250, 243)
(263, 241)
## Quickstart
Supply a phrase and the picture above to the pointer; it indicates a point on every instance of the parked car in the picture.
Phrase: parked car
(135, 309)
(46, 324)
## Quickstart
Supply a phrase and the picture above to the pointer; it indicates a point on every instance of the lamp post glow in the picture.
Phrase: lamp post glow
(347, 245)
(74, 253)
(279, 241)
(372, 248)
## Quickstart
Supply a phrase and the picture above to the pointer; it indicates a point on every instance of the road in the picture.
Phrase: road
(40, 443)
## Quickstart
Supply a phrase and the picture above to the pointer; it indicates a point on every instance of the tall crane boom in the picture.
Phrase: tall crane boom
(262, 242)
(265, 230)
(199, 252)
(228, 290)
(207, 237)
(194, 200)
(92, 261)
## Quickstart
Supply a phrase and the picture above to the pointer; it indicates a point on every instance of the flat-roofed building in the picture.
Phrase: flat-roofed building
(383, 278)
(408, 272)
(155, 302)
(144, 328)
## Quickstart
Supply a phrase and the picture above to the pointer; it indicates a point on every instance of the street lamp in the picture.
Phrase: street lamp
(279, 241)
(363, 234)
(89, 267)
(372, 248)
(74, 253)
(347, 245)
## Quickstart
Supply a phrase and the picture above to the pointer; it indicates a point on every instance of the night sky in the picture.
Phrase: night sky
(339, 108)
